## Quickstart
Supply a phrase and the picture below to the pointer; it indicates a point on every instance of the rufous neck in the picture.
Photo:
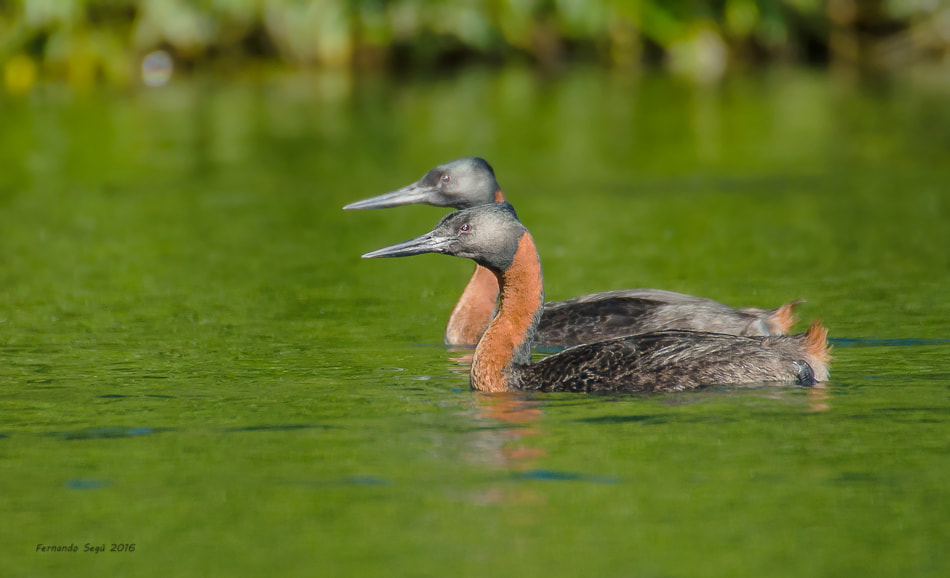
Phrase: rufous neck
(476, 306)
(507, 341)
(474, 309)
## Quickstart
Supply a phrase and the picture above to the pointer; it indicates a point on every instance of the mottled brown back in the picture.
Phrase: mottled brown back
(670, 361)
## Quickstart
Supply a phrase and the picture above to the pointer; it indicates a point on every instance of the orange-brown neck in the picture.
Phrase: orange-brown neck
(474, 310)
(476, 306)
(507, 341)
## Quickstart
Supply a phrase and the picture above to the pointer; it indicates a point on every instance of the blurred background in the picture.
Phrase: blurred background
(119, 41)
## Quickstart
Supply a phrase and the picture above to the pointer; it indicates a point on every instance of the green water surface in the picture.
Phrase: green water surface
(194, 360)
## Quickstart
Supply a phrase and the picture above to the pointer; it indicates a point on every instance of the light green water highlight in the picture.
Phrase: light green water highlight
(194, 359)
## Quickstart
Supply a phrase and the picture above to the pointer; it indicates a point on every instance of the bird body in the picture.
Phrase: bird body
(674, 360)
(669, 360)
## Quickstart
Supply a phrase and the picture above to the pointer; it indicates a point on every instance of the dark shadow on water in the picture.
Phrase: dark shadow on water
(940, 410)
(108, 433)
(915, 415)
(558, 476)
(656, 419)
(894, 379)
(903, 415)
(887, 342)
(615, 419)
(87, 484)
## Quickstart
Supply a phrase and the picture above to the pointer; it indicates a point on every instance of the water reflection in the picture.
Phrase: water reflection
(461, 356)
(507, 442)
(342, 123)
(818, 398)
(508, 422)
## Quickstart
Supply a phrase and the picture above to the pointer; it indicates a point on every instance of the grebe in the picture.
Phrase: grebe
(670, 360)
(470, 182)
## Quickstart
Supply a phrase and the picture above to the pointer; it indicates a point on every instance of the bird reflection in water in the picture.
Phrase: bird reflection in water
(506, 424)
(818, 398)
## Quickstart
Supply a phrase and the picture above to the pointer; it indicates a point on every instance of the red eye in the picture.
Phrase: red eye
(446, 178)
(465, 227)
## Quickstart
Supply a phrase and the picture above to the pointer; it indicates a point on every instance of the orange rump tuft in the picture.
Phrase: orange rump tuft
(783, 318)
(816, 344)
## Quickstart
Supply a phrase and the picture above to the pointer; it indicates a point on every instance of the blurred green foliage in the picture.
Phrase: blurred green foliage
(90, 40)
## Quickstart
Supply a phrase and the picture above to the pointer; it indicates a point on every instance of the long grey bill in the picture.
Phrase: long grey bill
(414, 194)
(427, 243)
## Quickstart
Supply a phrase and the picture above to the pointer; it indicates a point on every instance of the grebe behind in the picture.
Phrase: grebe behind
(470, 182)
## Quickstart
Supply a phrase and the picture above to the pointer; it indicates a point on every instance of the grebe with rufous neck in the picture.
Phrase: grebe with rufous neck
(669, 360)
(470, 182)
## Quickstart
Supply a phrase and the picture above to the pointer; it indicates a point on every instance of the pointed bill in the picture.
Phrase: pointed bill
(427, 243)
(414, 194)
